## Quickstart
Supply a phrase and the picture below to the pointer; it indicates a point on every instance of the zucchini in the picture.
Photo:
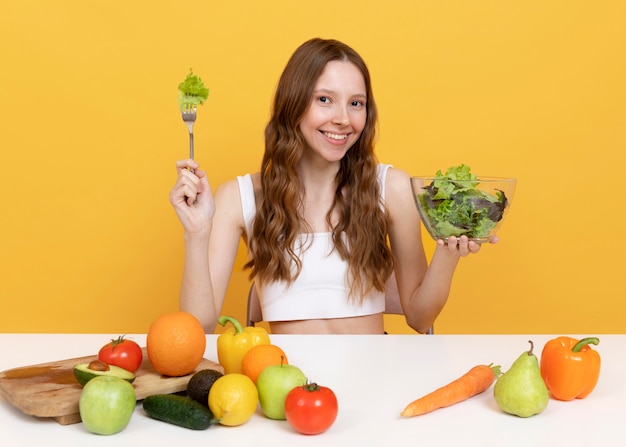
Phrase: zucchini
(179, 410)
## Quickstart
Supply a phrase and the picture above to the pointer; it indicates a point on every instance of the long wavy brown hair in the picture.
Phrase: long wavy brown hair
(360, 231)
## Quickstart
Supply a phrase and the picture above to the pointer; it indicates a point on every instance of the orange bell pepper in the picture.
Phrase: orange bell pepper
(570, 367)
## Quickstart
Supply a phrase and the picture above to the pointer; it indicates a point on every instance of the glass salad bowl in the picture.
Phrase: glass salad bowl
(456, 205)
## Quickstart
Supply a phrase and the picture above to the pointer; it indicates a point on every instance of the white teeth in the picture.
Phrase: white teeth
(335, 136)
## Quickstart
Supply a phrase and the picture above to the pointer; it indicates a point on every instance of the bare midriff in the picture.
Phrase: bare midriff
(367, 324)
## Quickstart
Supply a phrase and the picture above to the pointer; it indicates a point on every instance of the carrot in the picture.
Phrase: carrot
(473, 382)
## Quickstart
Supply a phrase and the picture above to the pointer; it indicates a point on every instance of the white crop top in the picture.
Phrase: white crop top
(321, 290)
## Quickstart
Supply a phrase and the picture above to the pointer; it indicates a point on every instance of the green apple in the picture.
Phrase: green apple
(273, 385)
(106, 404)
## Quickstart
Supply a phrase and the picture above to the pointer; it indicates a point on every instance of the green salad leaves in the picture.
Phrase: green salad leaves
(452, 205)
(191, 92)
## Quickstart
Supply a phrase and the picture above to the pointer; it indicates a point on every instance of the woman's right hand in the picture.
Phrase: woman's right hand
(192, 197)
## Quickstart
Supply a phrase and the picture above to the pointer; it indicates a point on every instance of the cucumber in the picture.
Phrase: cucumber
(179, 410)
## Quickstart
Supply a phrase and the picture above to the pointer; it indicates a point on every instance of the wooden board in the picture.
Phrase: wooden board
(51, 390)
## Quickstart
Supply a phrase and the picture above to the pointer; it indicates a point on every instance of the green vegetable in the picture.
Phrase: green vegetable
(454, 206)
(191, 92)
(179, 410)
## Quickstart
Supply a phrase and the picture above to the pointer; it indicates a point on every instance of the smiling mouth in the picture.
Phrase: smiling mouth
(335, 136)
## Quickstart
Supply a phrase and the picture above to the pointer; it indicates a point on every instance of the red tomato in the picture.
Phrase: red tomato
(123, 353)
(310, 409)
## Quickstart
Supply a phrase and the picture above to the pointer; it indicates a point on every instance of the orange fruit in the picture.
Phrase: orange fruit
(260, 356)
(175, 343)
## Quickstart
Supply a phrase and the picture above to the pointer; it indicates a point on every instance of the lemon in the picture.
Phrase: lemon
(233, 399)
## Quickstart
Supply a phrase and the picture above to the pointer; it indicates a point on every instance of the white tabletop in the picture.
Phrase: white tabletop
(374, 378)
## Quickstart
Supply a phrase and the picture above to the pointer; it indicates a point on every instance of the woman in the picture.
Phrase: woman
(325, 224)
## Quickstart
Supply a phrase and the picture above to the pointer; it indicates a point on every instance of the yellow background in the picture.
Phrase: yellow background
(90, 132)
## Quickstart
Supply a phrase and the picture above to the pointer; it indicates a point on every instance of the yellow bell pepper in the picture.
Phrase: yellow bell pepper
(233, 344)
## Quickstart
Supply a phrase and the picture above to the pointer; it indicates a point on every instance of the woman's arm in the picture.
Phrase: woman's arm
(212, 230)
(423, 288)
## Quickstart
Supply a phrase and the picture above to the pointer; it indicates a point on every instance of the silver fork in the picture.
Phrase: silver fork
(189, 117)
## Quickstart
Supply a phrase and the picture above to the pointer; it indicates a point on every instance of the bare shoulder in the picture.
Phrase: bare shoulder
(230, 188)
(228, 208)
(228, 198)
(227, 190)
(399, 195)
(398, 183)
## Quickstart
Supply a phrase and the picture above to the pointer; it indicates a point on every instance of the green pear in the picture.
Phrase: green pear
(521, 390)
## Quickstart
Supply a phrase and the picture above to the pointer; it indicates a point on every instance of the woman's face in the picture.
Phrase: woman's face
(337, 112)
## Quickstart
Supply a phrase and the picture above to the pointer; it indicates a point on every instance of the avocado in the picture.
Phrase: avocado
(84, 372)
(200, 383)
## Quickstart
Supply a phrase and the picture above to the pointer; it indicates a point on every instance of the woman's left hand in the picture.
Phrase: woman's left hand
(462, 245)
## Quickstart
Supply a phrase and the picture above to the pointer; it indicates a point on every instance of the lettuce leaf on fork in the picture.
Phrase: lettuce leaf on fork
(191, 92)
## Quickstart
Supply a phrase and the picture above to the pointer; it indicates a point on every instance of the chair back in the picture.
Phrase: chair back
(254, 307)
(392, 303)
